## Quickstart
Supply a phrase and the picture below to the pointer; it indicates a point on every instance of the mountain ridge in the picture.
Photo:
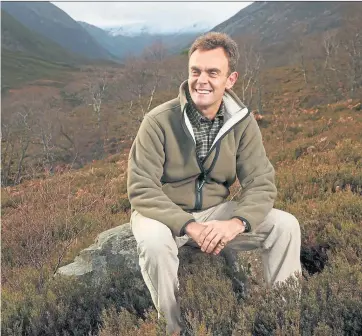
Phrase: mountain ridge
(16, 37)
(50, 21)
(278, 25)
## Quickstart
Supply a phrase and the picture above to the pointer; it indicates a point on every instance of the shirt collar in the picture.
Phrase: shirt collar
(194, 114)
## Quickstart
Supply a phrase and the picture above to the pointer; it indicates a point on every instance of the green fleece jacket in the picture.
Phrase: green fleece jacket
(167, 182)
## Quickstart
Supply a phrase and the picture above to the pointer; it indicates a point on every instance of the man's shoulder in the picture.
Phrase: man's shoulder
(172, 106)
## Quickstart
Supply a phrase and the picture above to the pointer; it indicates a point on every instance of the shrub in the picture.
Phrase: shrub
(125, 323)
(65, 306)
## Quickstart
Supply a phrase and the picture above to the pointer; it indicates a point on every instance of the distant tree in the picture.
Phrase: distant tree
(31, 138)
(330, 44)
(96, 88)
(328, 69)
(249, 68)
(17, 136)
(300, 55)
(351, 41)
(142, 77)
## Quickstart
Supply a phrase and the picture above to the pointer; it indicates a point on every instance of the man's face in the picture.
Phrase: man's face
(208, 77)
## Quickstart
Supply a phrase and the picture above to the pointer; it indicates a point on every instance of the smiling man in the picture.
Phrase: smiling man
(187, 154)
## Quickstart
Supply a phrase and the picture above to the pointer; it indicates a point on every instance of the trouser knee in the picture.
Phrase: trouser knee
(156, 250)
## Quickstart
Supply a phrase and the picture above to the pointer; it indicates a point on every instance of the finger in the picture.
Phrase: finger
(208, 240)
(214, 242)
(217, 250)
(218, 247)
(204, 233)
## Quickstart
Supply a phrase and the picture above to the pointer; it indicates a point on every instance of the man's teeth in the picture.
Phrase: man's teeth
(203, 91)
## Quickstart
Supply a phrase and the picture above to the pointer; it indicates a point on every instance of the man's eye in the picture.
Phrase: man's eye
(213, 73)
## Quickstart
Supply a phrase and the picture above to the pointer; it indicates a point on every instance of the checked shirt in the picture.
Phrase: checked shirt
(205, 130)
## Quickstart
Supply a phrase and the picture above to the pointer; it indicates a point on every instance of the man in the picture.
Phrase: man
(187, 153)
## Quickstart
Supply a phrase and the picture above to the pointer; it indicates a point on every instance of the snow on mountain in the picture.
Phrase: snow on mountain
(156, 28)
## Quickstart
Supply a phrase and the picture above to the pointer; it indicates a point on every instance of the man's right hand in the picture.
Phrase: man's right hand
(194, 230)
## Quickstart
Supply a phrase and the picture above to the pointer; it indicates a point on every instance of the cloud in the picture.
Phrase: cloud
(107, 14)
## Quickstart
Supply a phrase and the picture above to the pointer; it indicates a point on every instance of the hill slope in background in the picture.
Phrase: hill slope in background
(16, 37)
(277, 24)
(50, 21)
(107, 41)
(275, 21)
(26, 55)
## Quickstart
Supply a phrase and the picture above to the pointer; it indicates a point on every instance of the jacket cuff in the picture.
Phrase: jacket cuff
(182, 231)
(245, 221)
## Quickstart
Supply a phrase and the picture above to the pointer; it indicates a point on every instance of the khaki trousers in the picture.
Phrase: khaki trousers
(278, 236)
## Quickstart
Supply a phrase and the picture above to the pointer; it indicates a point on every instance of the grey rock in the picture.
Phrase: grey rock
(113, 250)
(116, 249)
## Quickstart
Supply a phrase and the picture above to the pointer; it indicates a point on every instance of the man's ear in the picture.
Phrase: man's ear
(231, 80)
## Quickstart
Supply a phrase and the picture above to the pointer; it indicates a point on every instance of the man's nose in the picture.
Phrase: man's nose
(203, 78)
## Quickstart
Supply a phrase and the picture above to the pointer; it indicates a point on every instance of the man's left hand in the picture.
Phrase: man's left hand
(217, 232)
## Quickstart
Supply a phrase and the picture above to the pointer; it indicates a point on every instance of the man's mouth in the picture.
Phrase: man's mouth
(203, 91)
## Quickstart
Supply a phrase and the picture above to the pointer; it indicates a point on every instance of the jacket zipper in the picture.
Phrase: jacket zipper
(201, 180)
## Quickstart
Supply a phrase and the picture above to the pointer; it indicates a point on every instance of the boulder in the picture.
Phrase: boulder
(113, 249)
(116, 249)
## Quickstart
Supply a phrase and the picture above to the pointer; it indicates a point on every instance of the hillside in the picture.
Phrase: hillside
(276, 25)
(16, 37)
(48, 20)
(26, 55)
(276, 21)
(103, 38)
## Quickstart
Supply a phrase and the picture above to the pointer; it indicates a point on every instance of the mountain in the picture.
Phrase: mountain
(277, 25)
(15, 37)
(275, 21)
(103, 38)
(48, 20)
(118, 45)
(125, 45)
(157, 28)
(26, 55)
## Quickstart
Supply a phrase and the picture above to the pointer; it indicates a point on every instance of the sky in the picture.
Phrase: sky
(172, 13)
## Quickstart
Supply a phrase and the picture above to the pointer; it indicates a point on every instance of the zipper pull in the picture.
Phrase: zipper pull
(201, 185)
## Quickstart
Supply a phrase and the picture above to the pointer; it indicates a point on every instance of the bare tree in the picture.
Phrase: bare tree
(7, 153)
(330, 45)
(301, 57)
(17, 138)
(351, 39)
(96, 88)
(249, 69)
(329, 71)
(143, 76)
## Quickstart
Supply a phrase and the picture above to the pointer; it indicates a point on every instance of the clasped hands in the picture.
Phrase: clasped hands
(212, 236)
